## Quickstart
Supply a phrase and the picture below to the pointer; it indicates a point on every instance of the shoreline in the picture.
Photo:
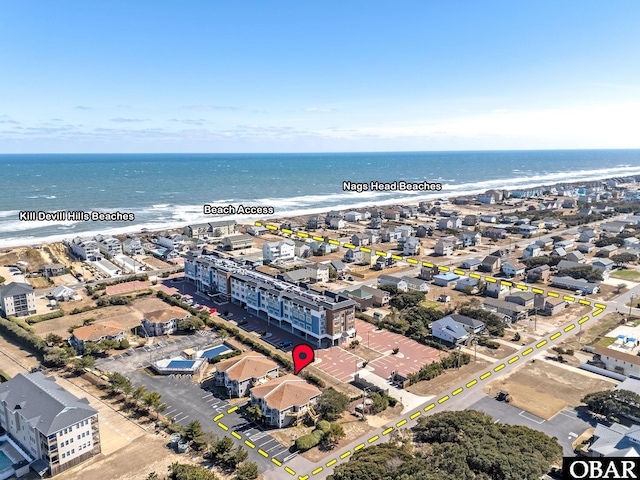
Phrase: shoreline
(249, 220)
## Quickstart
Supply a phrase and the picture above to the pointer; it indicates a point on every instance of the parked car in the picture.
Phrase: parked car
(285, 344)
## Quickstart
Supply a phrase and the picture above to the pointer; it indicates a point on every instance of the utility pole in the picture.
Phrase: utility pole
(633, 297)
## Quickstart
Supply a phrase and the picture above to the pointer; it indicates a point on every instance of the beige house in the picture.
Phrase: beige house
(239, 374)
(283, 399)
(163, 322)
(96, 333)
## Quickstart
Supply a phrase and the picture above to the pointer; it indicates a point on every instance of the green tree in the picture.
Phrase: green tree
(254, 412)
(305, 442)
(331, 404)
(190, 324)
(152, 401)
(2, 280)
(119, 383)
(333, 435)
(124, 344)
(247, 471)
(380, 402)
(621, 259)
(613, 403)
(193, 431)
(53, 339)
(79, 364)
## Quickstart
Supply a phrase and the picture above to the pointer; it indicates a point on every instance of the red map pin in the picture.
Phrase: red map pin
(302, 356)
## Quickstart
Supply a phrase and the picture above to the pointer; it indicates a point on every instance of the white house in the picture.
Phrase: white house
(109, 246)
(18, 299)
(448, 330)
(283, 250)
(85, 249)
(53, 427)
(132, 246)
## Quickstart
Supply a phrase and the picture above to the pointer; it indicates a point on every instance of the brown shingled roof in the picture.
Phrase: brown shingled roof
(166, 314)
(94, 332)
(610, 352)
(247, 366)
(284, 392)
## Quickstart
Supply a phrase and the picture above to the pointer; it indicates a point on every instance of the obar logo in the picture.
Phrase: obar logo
(596, 468)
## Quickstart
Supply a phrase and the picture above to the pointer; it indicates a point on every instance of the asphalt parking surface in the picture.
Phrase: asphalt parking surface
(566, 425)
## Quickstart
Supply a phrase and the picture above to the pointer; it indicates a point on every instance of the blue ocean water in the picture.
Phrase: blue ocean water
(169, 190)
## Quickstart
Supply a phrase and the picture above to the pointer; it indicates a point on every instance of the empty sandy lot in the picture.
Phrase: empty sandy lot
(543, 388)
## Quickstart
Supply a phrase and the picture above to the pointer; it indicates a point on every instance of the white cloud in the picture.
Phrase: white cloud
(319, 109)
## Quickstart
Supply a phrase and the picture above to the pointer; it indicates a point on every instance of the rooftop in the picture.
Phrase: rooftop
(166, 314)
(246, 367)
(95, 332)
(285, 392)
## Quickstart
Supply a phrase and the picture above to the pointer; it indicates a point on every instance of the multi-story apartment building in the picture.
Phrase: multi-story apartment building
(323, 319)
(133, 246)
(86, 249)
(239, 374)
(18, 299)
(283, 250)
(109, 246)
(163, 322)
(108, 330)
(52, 426)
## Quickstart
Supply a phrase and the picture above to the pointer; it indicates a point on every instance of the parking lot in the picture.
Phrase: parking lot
(188, 401)
(338, 362)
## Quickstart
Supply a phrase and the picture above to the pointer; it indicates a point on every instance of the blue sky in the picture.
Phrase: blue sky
(296, 76)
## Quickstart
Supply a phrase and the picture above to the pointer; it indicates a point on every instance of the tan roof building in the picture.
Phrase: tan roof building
(163, 322)
(239, 374)
(166, 314)
(283, 399)
(108, 330)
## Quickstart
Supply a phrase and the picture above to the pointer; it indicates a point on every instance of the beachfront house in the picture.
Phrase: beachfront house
(85, 249)
(54, 428)
(133, 246)
(109, 246)
(211, 230)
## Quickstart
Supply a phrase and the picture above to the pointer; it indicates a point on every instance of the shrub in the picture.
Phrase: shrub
(124, 343)
(306, 442)
(395, 351)
(47, 316)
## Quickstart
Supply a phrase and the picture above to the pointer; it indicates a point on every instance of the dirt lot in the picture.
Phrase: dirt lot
(123, 314)
(448, 379)
(501, 352)
(364, 352)
(30, 255)
(544, 389)
(153, 262)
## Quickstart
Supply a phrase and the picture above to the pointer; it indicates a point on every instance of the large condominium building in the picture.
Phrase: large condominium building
(18, 299)
(108, 330)
(211, 229)
(163, 322)
(109, 246)
(53, 427)
(323, 319)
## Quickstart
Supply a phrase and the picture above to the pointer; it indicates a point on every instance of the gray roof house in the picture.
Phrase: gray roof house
(616, 441)
(448, 330)
(43, 418)
(468, 323)
(399, 283)
(417, 284)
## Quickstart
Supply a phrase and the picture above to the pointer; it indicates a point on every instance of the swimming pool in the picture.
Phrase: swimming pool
(215, 351)
(5, 462)
(187, 364)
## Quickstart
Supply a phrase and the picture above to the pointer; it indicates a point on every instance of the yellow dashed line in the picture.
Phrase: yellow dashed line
(597, 312)
(427, 264)
(237, 435)
(443, 399)
(504, 282)
(258, 224)
(303, 477)
(555, 335)
(522, 287)
(568, 298)
(334, 242)
(318, 239)
(374, 438)
(345, 455)
(218, 417)
(303, 235)
(429, 407)
(553, 294)
(249, 444)
(276, 461)
(388, 430)
(584, 302)
(289, 471)
(457, 391)
(541, 344)
(332, 462)
(527, 352)
(569, 328)
(223, 426)
(459, 272)
(417, 414)
(358, 447)
(317, 471)
(485, 375)
(349, 245)
(412, 260)
(471, 383)
(443, 268)
(263, 453)
(537, 290)
(499, 367)
(381, 253)
(270, 227)
(396, 257)
(232, 409)
(401, 422)
(490, 279)
(514, 359)
(286, 230)
(365, 249)
(582, 320)
(599, 305)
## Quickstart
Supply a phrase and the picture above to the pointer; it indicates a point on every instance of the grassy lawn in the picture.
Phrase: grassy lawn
(606, 341)
(430, 304)
(630, 275)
